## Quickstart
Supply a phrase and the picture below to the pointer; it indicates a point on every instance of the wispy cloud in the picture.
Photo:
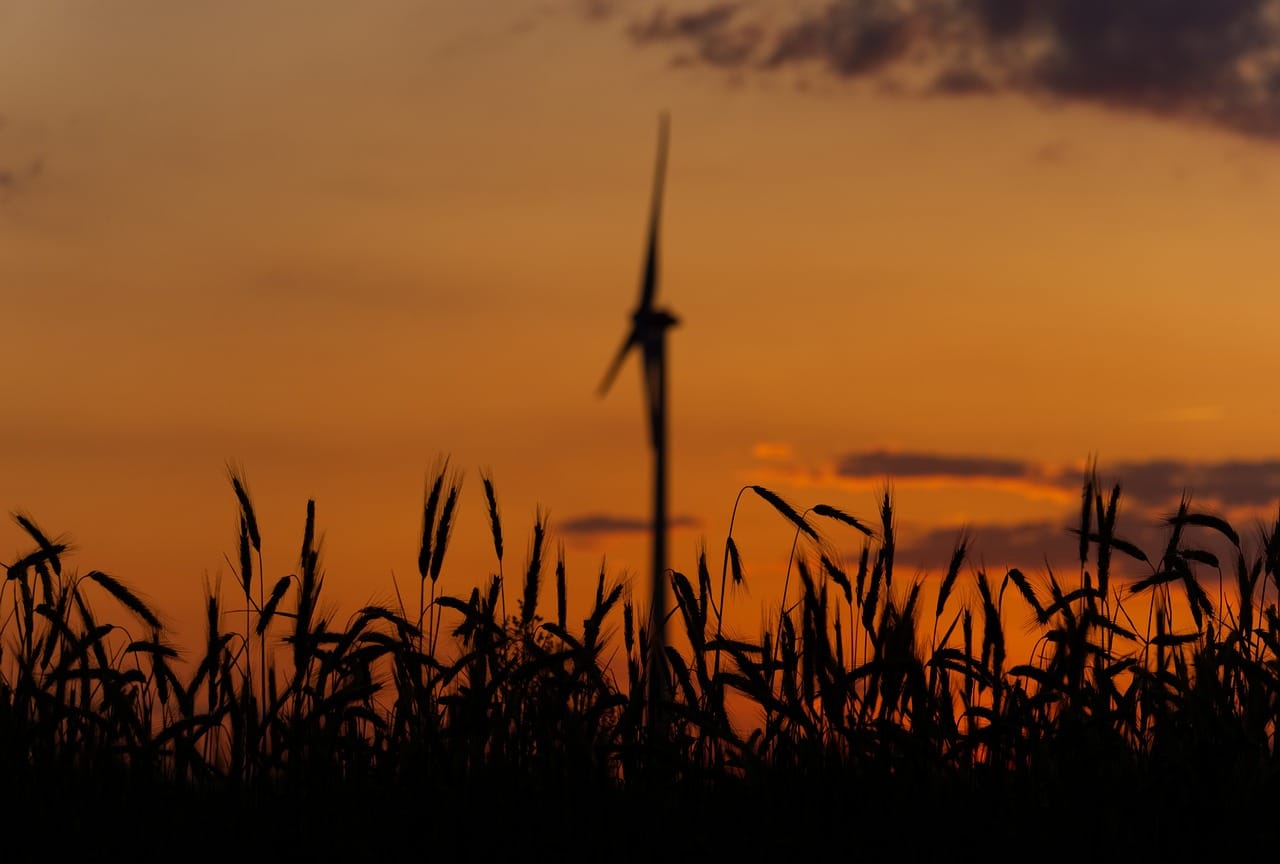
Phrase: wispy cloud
(773, 451)
(599, 524)
(908, 464)
(1029, 479)
(598, 10)
(17, 172)
(1201, 61)
(870, 469)
(15, 179)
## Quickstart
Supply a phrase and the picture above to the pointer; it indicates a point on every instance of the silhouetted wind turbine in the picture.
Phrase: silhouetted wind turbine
(649, 326)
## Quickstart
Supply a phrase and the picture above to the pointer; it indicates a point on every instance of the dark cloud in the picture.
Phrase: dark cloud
(997, 548)
(881, 463)
(1003, 18)
(1161, 483)
(1152, 485)
(849, 38)
(1208, 61)
(717, 38)
(607, 523)
(663, 25)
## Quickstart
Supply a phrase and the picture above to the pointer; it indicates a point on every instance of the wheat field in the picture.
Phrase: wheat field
(872, 715)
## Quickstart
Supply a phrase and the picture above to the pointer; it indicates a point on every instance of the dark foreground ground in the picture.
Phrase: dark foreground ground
(789, 819)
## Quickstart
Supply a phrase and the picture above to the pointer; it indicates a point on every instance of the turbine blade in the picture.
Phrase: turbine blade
(649, 282)
(632, 339)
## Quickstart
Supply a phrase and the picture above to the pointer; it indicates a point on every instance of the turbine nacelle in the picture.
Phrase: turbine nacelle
(648, 323)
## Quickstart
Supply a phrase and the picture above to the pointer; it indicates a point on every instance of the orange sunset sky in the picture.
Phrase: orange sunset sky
(329, 241)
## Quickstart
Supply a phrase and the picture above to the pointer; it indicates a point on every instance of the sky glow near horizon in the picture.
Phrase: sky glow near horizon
(331, 243)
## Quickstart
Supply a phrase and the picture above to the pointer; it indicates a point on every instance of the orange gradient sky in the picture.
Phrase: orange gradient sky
(331, 241)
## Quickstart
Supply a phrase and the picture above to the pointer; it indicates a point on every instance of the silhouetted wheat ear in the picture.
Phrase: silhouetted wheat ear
(953, 571)
(51, 550)
(687, 604)
(1107, 539)
(838, 576)
(776, 501)
(871, 599)
(240, 486)
(560, 586)
(830, 512)
(887, 535)
(126, 597)
(445, 527)
(533, 573)
(992, 631)
(46, 582)
(1086, 510)
(735, 563)
(308, 534)
(431, 502)
(246, 559)
(495, 520)
(269, 609)
(704, 581)
(1020, 582)
(860, 580)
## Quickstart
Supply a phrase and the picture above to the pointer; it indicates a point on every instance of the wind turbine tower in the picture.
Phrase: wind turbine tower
(649, 325)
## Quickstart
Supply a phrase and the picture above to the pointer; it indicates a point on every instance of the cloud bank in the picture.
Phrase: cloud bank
(1152, 484)
(1213, 62)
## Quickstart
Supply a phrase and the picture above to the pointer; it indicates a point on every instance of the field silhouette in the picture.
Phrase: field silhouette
(447, 725)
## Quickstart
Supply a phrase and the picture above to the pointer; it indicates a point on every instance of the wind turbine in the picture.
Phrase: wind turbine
(649, 325)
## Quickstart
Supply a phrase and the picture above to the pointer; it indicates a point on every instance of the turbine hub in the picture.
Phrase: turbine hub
(653, 320)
